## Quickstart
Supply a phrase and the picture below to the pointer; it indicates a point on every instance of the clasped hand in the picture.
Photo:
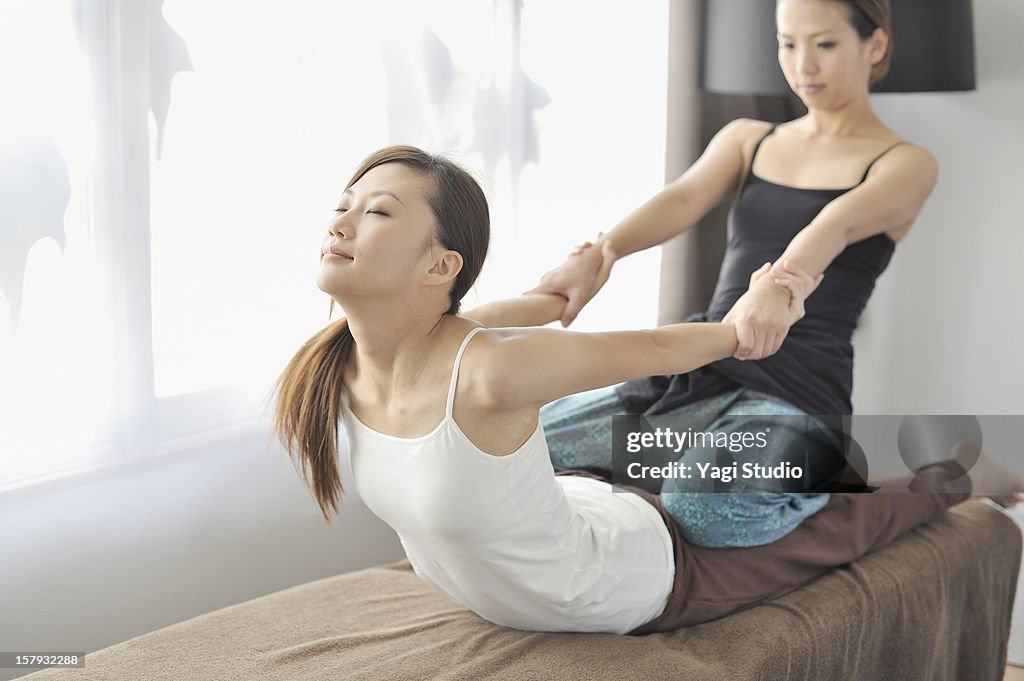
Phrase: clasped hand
(580, 277)
(772, 304)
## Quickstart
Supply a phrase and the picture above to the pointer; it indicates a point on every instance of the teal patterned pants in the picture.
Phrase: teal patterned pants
(578, 429)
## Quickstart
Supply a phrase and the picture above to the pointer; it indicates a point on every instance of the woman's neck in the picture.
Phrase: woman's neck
(854, 118)
(392, 348)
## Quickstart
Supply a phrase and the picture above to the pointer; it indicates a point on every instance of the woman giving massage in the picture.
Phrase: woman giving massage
(832, 191)
(441, 415)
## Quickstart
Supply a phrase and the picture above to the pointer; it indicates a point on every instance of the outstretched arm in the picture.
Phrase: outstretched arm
(536, 309)
(529, 309)
(889, 199)
(669, 212)
(526, 368)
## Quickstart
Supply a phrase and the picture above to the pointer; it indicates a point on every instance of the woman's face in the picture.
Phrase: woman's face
(383, 227)
(823, 58)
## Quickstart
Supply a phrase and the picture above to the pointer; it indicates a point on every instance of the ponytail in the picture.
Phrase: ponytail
(307, 411)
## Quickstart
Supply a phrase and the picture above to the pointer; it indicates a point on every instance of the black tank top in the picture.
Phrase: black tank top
(813, 370)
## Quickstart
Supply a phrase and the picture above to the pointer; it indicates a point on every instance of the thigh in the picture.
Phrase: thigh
(760, 444)
(578, 428)
(746, 482)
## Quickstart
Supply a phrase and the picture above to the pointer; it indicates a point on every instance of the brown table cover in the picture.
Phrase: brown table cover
(933, 605)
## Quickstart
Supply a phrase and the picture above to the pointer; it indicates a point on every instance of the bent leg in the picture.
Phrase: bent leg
(745, 513)
(711, 583)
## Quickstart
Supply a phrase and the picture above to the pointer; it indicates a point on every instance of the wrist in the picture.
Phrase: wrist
(732, 341)
(770, 288)
(596, 247)
(603, 239)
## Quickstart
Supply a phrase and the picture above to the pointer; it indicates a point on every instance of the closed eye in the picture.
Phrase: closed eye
(826, 45)
(339, 210)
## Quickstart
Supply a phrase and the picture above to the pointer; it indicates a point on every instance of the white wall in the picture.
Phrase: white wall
(944, 331)
(95, 561)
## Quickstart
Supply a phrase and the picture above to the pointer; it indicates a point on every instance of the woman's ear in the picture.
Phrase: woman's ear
(445, 267)
(878, 45)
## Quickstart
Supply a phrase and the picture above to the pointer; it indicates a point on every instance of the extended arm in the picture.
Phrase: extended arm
(526, 368)
(531, 309)
(671, 211)
(889, 199)
(535, 309)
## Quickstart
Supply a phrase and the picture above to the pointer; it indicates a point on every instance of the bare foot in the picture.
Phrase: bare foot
(988, 479)
(1005, 500)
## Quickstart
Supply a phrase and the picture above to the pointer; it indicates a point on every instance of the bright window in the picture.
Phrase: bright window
(168, 170)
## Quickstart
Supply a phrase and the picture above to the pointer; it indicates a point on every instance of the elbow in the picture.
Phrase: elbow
(658, 353)
(858, 230)
(681, 348)
(847, 236)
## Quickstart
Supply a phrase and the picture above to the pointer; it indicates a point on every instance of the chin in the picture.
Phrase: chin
(324, 284)
(807, 101)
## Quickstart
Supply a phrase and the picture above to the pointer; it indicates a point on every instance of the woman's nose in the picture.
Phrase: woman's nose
(341, 227)
(806, 62)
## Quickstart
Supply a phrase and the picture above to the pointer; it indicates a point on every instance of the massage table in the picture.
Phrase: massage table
(933, 605)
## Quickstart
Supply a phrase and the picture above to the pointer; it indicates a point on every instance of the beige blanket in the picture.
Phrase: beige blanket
(933, 605)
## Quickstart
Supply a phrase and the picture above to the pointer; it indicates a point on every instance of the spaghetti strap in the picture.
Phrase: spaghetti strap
(750, 168)
(455, 371)
(758, 147)
(872, 164)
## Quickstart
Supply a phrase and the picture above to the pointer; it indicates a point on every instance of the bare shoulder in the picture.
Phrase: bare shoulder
(741, 137)
(482, 407)
(485, 362)
(914, 154)
(732, 146)
(910, 162)
(524, 367)
(892, 195)
(744, 132)
(748, 126)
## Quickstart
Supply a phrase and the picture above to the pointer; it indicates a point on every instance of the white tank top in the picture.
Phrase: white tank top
(506, 538)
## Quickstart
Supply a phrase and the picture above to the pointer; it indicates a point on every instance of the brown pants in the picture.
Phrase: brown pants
(714, 582)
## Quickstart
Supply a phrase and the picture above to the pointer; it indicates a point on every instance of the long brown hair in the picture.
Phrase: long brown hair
(309, 389)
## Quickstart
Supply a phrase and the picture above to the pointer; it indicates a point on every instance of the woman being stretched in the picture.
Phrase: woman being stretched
(442, 420)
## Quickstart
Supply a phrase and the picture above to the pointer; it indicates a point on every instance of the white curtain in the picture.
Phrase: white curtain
(168, 168)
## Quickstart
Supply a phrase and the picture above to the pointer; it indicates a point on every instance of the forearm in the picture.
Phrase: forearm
(677, 207)
(662, 217)
(530, 309)
(668, 213)
(679, 348)
(774, 302)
